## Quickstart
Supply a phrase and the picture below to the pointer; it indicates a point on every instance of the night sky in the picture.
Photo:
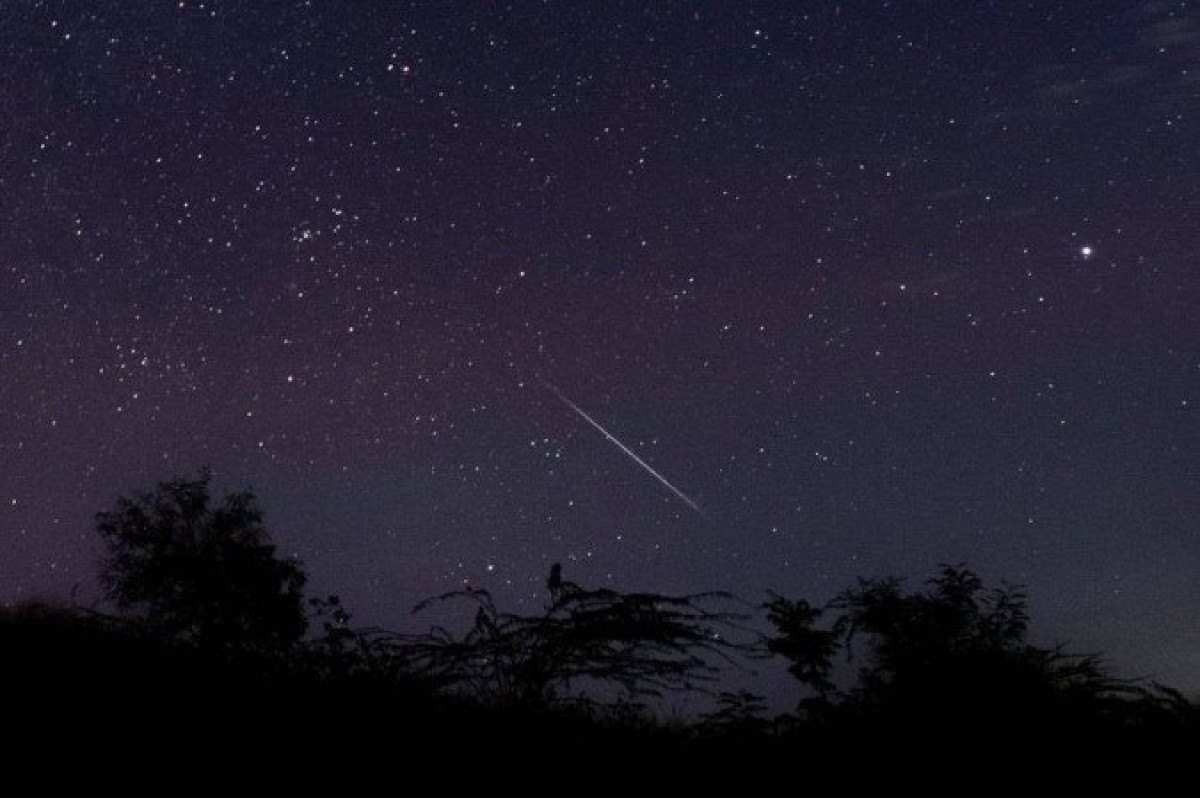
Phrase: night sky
(875, 285)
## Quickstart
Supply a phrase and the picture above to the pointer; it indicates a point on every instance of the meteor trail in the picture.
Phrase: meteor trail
(683, 496)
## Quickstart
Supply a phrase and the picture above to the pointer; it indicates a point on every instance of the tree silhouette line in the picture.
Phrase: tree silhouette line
(210, 617)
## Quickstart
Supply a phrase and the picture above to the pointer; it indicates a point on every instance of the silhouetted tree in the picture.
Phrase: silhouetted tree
(914, 632)
(201, 574)
(641, 643)
(955, 651)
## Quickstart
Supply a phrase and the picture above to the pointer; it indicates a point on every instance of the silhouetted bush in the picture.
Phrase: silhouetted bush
(642, 644)
(952, 660)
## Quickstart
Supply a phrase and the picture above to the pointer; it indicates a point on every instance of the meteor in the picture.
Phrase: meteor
(682, 496)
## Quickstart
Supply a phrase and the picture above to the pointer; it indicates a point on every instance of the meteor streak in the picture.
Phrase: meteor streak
(683, 496)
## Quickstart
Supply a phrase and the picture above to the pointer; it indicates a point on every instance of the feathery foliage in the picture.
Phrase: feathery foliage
(641, 643)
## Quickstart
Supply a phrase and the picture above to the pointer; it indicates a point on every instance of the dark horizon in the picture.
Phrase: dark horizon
(877, 288)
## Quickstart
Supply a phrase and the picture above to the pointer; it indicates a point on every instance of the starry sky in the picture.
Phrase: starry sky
(874, 285)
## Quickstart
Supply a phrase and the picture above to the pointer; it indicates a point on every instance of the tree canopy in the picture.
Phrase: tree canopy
(955, 652)
(200, 573)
